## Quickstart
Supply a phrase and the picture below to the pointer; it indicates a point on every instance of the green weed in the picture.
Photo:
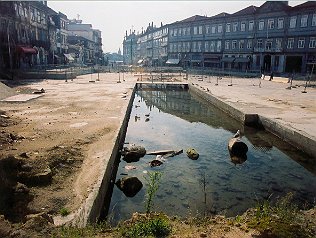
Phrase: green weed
(64, 211)
(282, 219)
(153, 180)
(153, 226)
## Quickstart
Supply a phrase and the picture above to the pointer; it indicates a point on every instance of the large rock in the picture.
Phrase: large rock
(133, 153)
(192, 154)
(130, 186)
(237, 148)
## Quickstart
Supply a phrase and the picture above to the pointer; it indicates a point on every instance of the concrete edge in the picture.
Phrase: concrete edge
(291, 135)
(91, 209)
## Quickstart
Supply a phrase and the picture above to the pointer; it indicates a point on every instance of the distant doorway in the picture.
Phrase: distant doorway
(267, 63)
(293, 63)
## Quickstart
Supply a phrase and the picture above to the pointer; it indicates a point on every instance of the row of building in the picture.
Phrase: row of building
(31, 33)
(274, 37)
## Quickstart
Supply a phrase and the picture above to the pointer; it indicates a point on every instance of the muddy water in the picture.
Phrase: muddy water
(213, 184)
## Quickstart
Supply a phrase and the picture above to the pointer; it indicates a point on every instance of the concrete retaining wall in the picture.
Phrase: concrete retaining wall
(290, 135)
(246, 119)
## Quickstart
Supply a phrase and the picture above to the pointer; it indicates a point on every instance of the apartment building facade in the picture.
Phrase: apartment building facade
(274, 37)
(26, 33)
(93, 43)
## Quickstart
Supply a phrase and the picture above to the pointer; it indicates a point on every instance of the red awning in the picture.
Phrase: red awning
(27, 50)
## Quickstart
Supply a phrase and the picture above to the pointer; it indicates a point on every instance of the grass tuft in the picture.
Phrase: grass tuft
(282, 219)
(147, 226)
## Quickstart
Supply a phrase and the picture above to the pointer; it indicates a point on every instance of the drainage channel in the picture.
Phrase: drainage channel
(168, 116)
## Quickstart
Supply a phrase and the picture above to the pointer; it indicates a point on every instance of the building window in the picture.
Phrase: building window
(200, 30)
(293, 22)
(251, 25)
(38, 16)
(235, 26)
(195, 30)
(175, 32)
(227, 45)
(212, 46)
(171, 48)
(249, 44)
(227, 27)
(241, 44)
(268, 44)
(280, 23)
(261, 25)
(180, 32)
(207, 28)
(213, 29)
(33, 14)
(259, 44)
(243, 26)
(44, 19)
(278, 44)
(314, 20)
(194, 46)
(206, 46)
(171, 32)
(312, 42)
(184, 30)
(179, 46)
(304, 20)
(220, 28)
(271, 23)
(188, 46)
(290, 43)
(301, 43)
(219, 46)
(234, 44)
(199, 46)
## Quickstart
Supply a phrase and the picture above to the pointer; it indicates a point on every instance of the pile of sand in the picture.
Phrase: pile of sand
(6, 91)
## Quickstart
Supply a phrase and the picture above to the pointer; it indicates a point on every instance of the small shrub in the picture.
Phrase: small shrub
(155, 226)
(64, 212)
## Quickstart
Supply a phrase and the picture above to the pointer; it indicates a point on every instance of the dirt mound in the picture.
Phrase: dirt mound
(6, 91)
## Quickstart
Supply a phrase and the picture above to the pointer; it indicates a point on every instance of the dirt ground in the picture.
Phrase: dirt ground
(52, 149)
(59, 141)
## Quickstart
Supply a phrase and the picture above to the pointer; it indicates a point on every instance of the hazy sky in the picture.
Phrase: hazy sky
(113, 18)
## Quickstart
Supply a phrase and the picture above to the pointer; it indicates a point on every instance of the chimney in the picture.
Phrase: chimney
(161, 24)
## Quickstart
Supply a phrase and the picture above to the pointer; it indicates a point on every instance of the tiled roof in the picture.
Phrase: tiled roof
(246, 11)
(193, 19)
(223, 14)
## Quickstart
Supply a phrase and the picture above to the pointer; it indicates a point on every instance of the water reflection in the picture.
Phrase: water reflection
(216, 182)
